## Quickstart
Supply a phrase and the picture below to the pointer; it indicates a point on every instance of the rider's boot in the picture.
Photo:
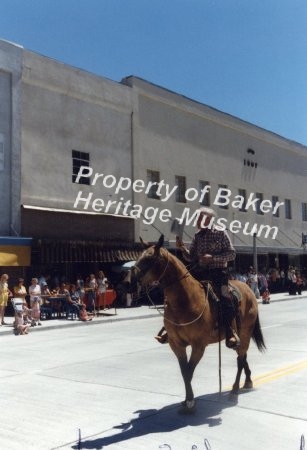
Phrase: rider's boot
(162, 336)
(228, 315)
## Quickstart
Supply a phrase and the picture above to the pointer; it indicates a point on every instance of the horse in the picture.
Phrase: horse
(190, 319)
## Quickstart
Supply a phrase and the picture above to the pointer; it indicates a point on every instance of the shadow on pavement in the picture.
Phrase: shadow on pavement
(150, 421)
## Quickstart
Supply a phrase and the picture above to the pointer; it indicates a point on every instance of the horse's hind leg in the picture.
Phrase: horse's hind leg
(248, 381)
(242, 364)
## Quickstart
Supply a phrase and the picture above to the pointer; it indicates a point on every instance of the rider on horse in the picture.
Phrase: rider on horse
(210, 252)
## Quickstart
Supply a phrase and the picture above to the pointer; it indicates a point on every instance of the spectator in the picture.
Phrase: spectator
(91, 292)
(36, 310)
(299, 283)
(102, 285)
(20, 290)
(252, 281)
(291, 282)
(20, 326)
(5, 293)
(71, 302)
(80, 287)
(35, 300)
(84, 315)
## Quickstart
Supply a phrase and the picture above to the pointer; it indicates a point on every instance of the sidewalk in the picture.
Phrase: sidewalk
(131, 313)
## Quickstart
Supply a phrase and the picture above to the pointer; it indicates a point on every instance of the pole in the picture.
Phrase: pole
(255, 261)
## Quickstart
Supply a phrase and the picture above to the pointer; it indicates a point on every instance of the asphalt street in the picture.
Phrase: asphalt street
(110, 385)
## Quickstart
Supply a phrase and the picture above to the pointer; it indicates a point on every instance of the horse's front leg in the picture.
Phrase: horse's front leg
(187, 370)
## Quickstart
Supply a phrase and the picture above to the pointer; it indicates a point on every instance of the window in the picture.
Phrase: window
(154, 177)
(223, 186)
(288, 212)
(1, 153)
(242, 193)
(260, 197)
(274, 201)
(80, 159)
(304, 212)
(181, 188)
(203, 195)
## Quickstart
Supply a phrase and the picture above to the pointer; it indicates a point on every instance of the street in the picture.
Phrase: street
(112, 386)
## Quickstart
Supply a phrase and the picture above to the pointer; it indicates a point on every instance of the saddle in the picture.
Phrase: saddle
(216, 304)
(233, 291)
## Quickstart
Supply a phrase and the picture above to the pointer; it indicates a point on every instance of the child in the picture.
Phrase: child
(36, 312)
(20, 327)
(84, 315)
(266, 296)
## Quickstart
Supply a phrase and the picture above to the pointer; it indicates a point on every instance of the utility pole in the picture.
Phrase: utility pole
(255, 259)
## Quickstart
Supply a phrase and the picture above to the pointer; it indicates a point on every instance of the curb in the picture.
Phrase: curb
(77, 323)
(115, 318)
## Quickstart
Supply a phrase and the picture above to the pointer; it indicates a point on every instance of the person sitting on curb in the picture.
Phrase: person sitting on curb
(20, 326)
(84, 316)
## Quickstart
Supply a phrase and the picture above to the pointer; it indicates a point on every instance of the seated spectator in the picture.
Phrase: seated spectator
(84, 315)
(20, 326)
(76, 295)
(71, 304)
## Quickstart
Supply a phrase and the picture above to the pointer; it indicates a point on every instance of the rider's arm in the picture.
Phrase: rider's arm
(183, 248)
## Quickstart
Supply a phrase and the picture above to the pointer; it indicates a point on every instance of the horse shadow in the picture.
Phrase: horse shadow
(166, 419)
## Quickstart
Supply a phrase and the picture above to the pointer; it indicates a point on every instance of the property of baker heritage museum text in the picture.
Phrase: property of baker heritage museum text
(164, 191)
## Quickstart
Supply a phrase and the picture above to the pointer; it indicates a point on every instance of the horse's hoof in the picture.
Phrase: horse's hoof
(234, 391)
(248, 385)
(187, 407)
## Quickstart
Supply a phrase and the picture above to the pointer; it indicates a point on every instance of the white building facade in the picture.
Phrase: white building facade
(55, 119)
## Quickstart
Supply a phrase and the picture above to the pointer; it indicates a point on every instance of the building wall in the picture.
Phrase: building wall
(67, 109)
(10, 119)
(177, 136)
(48, 109)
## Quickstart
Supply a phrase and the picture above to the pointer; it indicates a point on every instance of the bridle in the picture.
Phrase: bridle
(186, 274)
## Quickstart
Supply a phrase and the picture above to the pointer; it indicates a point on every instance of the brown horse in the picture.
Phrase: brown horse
(190, 319)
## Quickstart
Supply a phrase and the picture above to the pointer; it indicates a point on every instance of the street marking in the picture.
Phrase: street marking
(279, 373)
(275, 374)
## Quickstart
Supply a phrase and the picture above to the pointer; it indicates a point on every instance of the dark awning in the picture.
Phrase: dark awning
(70, 251)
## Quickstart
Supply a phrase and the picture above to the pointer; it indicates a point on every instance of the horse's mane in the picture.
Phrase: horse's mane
(176, 261)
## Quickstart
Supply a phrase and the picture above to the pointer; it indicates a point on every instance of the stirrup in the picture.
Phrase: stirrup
(162, 339)
(234, 341)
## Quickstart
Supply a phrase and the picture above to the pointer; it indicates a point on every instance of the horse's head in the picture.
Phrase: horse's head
(152, 263)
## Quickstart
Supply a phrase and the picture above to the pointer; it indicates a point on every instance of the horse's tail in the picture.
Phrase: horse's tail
(258, 336)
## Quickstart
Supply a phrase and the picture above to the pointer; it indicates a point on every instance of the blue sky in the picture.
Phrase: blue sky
(246, 58)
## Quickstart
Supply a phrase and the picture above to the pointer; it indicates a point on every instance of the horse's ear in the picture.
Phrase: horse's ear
(144, 243)
(160, 242)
